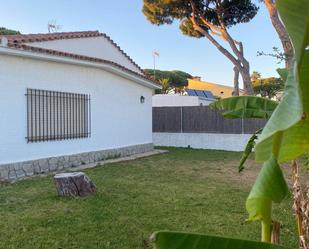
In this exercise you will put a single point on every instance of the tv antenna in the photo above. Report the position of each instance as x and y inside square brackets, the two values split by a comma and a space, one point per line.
[53, 27]
[155, 54]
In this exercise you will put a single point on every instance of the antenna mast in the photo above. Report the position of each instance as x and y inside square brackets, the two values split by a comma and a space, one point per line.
[53, 27]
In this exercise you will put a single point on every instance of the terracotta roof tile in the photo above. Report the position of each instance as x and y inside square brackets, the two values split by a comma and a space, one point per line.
[51, 36]
[76, 56]
[18, 41]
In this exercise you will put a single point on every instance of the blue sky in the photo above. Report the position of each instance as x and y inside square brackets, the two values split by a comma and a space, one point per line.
[125, 23]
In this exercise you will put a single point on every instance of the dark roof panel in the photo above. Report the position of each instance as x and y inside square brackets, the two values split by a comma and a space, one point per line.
[209, 95]
[200, 93]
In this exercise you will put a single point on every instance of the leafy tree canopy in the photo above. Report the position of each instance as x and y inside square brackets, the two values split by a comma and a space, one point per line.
[206, 12]
[266, 87]
[175, 78]
[269, 87]
[5, 31]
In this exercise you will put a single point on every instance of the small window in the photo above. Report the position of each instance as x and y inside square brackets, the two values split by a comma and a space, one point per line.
[57, 115]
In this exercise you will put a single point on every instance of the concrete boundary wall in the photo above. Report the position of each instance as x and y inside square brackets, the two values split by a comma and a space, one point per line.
[213, 141]
[15, 171]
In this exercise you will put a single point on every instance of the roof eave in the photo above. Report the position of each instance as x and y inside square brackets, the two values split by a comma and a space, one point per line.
[54, 58]
[30, 38]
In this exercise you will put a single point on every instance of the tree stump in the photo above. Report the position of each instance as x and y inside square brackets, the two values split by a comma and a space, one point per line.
[74, 184]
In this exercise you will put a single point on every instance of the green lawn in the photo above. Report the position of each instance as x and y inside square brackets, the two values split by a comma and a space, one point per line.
[185, 190]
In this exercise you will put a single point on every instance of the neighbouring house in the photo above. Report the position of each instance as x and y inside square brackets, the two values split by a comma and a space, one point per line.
[220, 91]
[69, 99]
[188, 98]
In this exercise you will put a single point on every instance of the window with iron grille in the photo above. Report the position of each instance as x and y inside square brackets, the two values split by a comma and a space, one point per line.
[57, 115]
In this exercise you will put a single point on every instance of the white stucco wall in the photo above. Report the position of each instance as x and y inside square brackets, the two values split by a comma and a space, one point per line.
[98, 47]
[228, 142]
[118, 117]
[161, 100]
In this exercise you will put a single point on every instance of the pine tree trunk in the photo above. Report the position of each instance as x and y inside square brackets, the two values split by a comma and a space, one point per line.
[244, 70]
[239, 61]
[281, 31]
[245, 74]
[236, 82]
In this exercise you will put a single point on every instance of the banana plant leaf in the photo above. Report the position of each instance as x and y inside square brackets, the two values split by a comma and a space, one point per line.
[248, 150]
[245, 107]
[270, 186]
[285, 136]
[291, 118]
[177, 240]
[283, 72]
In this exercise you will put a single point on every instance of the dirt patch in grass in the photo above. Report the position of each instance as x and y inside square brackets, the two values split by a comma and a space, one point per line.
[223, 166]
[223, 171]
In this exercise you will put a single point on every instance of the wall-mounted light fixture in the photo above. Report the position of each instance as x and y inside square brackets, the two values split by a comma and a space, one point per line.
[142, 99]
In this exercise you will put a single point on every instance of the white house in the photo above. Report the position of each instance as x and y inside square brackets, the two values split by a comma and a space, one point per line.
[68, 99]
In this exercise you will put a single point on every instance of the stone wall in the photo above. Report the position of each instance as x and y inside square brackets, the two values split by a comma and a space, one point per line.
[15, 171]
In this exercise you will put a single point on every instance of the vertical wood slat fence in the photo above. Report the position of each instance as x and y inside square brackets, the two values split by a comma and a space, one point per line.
[200, 119]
